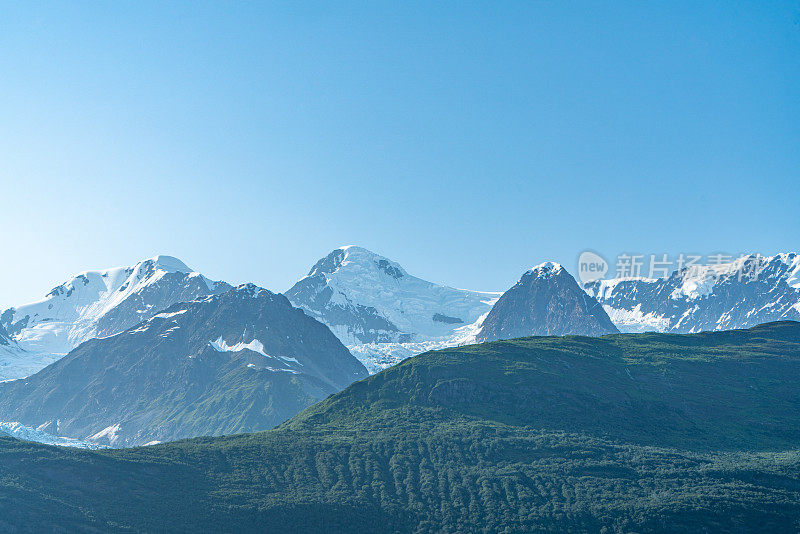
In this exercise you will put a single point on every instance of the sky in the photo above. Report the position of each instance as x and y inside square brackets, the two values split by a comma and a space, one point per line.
[467, 141]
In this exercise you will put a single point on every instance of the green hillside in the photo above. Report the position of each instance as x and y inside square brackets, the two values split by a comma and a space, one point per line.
[625, 433]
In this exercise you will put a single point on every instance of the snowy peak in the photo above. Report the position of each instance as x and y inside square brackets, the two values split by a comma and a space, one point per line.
[120, 278]
[352, 258]
[168, 263]
[101, 303]
[368, 299]
[250, 290]
[546, 270]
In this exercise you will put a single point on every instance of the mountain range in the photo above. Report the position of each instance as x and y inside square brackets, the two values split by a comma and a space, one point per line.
[239, 361]
[622, 433]
[384, 315]
[158, 352]
[96, 304]
[738, 294]
[148, 367]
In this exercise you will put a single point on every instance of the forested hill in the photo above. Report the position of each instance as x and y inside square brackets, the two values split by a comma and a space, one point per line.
[727, 390]
[625, 433]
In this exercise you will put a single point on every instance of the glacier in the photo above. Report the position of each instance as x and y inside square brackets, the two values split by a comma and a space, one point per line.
[381, 312]
[20, 431]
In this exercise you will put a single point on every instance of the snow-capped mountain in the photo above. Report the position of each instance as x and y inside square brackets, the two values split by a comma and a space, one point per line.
[382, 313]
[241, 361]
[20, 431]
[95, 304]
[547, 301]
[740, 294]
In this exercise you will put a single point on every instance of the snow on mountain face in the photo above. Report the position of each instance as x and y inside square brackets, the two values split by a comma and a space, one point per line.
[15, 362]
[241, 361]
[382, 313]
[96, 304]
[546, 270]
[739, 294]
[547, 301]
[5, 339]
[7, 345]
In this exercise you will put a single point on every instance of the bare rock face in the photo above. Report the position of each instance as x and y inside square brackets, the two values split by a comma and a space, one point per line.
[547, 301]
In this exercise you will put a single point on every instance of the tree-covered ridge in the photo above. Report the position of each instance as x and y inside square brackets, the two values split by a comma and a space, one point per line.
[727, 390]
[418, 448]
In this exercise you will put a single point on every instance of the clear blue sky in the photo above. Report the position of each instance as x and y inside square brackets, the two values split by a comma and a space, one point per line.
[467, 141]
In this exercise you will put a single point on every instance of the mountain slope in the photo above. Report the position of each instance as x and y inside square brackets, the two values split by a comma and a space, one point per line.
[240, 361]
[97, 304]
[740, 294]
[382, 313]
[5, 339]
[13, 360]
[624, 433]
[546, 301]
